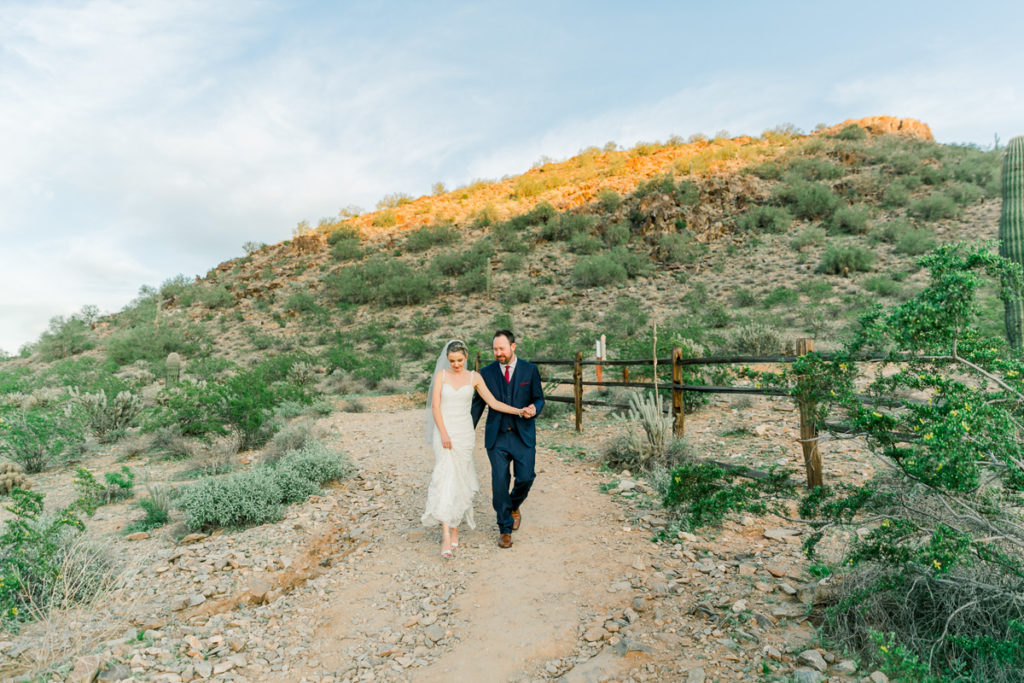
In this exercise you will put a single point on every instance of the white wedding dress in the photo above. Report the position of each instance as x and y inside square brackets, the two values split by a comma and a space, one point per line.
[453, 483]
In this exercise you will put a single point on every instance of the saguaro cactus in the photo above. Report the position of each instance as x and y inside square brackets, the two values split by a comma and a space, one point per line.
[173, 366]
[1011, 231]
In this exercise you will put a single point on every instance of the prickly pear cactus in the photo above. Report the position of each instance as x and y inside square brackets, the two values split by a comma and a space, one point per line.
[12, 477]
[1011, 231]
[173, 366]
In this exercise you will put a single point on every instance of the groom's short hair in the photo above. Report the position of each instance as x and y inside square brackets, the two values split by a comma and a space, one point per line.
[507, 334]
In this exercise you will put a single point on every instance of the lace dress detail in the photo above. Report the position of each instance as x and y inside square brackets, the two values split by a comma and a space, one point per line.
[453, 483]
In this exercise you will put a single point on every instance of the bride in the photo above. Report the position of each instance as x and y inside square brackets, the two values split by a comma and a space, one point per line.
[449, 429]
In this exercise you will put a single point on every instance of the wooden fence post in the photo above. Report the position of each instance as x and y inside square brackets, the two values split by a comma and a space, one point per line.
[577, 389]
[625, 374]
[678, 414]
[476, 366]
[808, 428]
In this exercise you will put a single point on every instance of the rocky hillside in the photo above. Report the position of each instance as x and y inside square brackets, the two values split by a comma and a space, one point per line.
[724, 243]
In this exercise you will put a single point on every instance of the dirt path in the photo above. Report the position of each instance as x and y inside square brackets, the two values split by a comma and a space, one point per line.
[350, 587]
[512, 610]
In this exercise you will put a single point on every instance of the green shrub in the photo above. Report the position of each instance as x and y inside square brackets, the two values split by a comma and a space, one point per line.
[808, 201]
[768, 170]
[429, 236]
[685, 192]
[743, 298]
[583, 243]
[907, 239]
[519, 293]
[377, 368]
[705, 492]
[384, 219]
[781, 296]
[625, 319]
[756, 339]
[382, 282]
[302, 302]
[455, 263]
[615, 234]
[599, 270]
[258, 495]
[216, 296]
[965, 193]
[394, 200]
[915, 241]
[44, 563]
[236, 500]
[609, 200]
[342, 232]
[807, 237]
[157, 510]
[36, 438]
[346, 249]
[850, 220]
[812, 168]
[152, 343]
[314, 462]
[678, 247]
[190, 408]
[896, 195]
[846, 258]
[567, 226]
[883, 285]
[935, 206]
[92, 494]
[512, 263]
[771, 219]
[472, 282]
[716, 316]
[851, 132]
[67, 336]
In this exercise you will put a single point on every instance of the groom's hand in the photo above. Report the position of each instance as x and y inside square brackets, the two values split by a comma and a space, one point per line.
[529, 411]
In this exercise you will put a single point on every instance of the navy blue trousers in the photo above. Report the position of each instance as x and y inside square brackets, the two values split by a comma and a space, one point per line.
[510, 453]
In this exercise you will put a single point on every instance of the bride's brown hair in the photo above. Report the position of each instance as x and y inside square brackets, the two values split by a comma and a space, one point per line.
[456, 347]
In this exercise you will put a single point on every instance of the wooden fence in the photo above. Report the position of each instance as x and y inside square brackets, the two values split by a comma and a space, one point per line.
[808, 429]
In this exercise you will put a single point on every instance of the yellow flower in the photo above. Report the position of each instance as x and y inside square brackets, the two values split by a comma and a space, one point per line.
[939, 467]
[929, 436]
[937, 564]
[967, 407]
[965, 426]
[885, 522]
[842, 366]
[1012, 373]
[954, 413]
[883, 648]
[876, 413]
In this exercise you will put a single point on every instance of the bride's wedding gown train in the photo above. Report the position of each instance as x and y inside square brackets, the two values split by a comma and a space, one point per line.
[453, 482]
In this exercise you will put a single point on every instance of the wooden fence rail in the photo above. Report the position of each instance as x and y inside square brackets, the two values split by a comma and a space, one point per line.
[808, 429]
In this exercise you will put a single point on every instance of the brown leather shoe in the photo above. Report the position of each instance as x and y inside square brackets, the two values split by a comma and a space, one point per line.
[517, 518]
[505, 541]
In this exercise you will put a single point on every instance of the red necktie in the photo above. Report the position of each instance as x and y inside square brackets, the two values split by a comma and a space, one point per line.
[506, 375]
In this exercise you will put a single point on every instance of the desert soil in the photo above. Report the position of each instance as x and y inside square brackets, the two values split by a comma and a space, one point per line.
[350, 587]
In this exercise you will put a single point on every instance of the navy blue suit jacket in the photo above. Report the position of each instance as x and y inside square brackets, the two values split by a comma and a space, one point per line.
[526, 389]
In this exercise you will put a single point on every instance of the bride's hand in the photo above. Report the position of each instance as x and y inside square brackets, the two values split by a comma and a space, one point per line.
[446, 441]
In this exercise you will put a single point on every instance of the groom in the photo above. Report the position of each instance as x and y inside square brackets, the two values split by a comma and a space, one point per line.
[510, 440]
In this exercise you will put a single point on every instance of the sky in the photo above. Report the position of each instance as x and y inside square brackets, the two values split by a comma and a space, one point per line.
[143, 140]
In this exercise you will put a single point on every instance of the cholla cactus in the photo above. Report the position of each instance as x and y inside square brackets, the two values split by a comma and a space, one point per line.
[302, 374]
[108, 419]
[12, 477]
[173, 368]
[645, 409]
[1011, 231]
